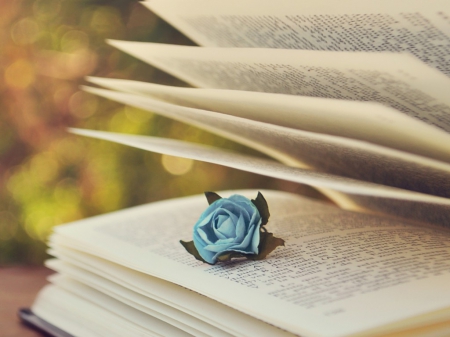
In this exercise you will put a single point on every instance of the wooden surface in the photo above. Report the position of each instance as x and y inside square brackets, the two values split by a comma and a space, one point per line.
[18, 288]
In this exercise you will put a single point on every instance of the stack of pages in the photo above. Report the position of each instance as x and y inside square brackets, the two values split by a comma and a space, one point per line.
[349, 97]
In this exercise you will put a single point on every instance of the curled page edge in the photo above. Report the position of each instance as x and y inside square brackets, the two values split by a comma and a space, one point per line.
[259, 166]
[300, 148]
[351, 119]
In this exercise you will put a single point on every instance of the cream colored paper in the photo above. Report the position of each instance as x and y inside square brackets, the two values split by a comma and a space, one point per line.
[325, 153]
[419, 27]
[195, 310]
[365, 121]
[65, 310]
[70, 272]
[397, 80]
[137, 314]
[369, 196]
[351, 301]
[104, 315]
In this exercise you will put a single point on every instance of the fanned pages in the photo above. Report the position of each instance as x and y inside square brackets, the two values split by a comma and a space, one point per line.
[397, 80]
[350, 119]
[325, 153]
[412, 205]
[419, 27]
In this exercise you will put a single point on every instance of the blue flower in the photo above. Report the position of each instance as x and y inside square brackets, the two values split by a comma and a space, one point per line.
[232, 228]
[228, 225]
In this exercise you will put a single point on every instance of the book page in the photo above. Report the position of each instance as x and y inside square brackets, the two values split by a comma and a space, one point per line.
[128, 281]
[419, 27]
[68, 272]
[397, 80]
[365, 121]
[325, 153]
[65, 311]
[422, 207]
[340, 273]
[47, 306]
[212, 317]
[100, 314]
[146, 323]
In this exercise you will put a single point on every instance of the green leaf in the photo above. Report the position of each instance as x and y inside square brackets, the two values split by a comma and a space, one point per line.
[190, 247]
[212, 196]
[267, 244]
[263, 209]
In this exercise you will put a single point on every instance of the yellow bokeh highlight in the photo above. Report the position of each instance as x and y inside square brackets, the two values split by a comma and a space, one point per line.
[23, 187]
[108, 196]
[44, 213]
[67, 192]
[69, 150]
[129, 120]
[39, 219]
[24, 32]
[83, 105]
[74, 40]
[43, 228]
[46, 9]
[44, 167]
[77, 63]
[51, 177]
[28, 182]
[19, 75]
[16, 183]
[106, 20]
[137, 115]
[63, 65]
[176, 165]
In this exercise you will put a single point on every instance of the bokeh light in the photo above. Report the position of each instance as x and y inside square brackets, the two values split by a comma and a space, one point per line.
[48, 176]
[176, 165]
[19, 75]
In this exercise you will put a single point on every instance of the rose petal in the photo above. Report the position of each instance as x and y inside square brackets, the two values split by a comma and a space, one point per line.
[208, 256]
[204, 236]
[224, 241]
[219, 219]
[231, 214]
[256, 219]
[218, 248]
[228, 228]
[200, 245]
[244, 203]
[223, 212]
[240, 229]
[198, 241]
[217, 233]
[256, 239]
[204, 220]
[244, 245]
[232, 207]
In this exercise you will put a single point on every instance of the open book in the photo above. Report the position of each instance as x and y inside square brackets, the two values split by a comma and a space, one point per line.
[350, 98]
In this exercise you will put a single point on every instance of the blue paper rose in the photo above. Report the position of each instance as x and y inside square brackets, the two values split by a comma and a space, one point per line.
[232, 228]
[227, 225]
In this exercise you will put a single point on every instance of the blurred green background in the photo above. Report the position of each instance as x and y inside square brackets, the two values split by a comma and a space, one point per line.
[48, 177]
